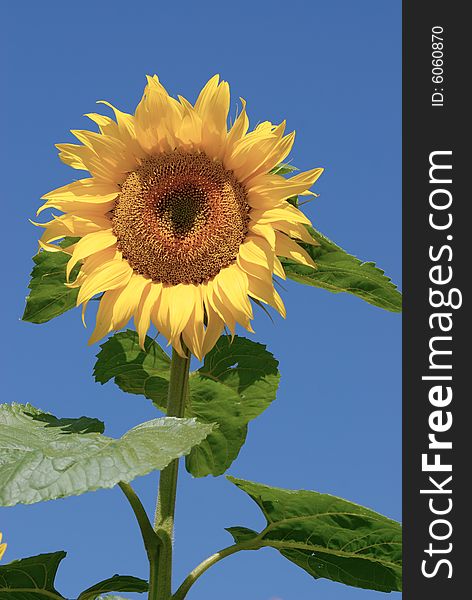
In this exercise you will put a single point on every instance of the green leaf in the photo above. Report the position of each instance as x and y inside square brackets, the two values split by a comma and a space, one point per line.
[123, 359]
[117, 583]
[326, 536]
[283, 169]
[30, 578]
[237, 382]
[49, 296]
[339, 271]
[80, 425]
[42, 462]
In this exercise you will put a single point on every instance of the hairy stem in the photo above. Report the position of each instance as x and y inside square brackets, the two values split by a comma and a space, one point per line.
[165, 509]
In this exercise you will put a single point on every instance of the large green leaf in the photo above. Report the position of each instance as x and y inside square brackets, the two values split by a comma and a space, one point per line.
[237, 382]
[40, 461]
[117, 583]
[30, 578]
[49, 296]
[327, 536]
[339, 271]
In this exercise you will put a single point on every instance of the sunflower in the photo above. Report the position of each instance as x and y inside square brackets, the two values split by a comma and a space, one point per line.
[182, 220]
[3, 547]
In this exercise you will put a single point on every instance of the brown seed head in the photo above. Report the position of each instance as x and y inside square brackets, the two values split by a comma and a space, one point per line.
[180, 218]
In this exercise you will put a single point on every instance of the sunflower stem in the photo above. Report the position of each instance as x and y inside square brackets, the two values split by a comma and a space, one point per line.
[160, 584]
[183, 590]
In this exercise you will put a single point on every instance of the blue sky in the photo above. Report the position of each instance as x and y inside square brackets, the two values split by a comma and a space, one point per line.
[332, 69]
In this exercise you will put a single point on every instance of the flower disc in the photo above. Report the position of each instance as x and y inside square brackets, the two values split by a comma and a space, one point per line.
[180, 218]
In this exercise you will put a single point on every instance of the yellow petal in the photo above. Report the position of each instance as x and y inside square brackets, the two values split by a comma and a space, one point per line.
[213, 106]
[219, 307]
[295, 230]
[83, 196]
[249, 151]
[89, 189]
[96, 260]
[128, 300]
[279, 153]
[71, 225]
[259, 151]
[104, 319]
[278, 268]
[266, 231]
[256, 250]
[264, 292]
[74, 155]
[214, 329]
[111, 151]
[89, 244]
[206, 95]
[142, 318]
[157, 118]
[109, 276]
[105, 124]
[287, 247]
[194, 332]
[274, 188]
[160, 314]
[182, 299]
[263, 201]
[189, 132]
[82, 157]
[237, 131]
[287, 213]
[231, 288]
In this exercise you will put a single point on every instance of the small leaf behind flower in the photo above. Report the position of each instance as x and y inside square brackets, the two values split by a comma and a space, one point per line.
[42, 462]
[337, 271]
[32, 575]
[49, 296]
[283, 169]
[326, 536]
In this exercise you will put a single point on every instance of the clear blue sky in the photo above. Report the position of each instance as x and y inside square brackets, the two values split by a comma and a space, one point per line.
[332, 69]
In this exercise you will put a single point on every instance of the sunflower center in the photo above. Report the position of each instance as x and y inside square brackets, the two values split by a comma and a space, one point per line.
[183, 209]
[180, 218]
